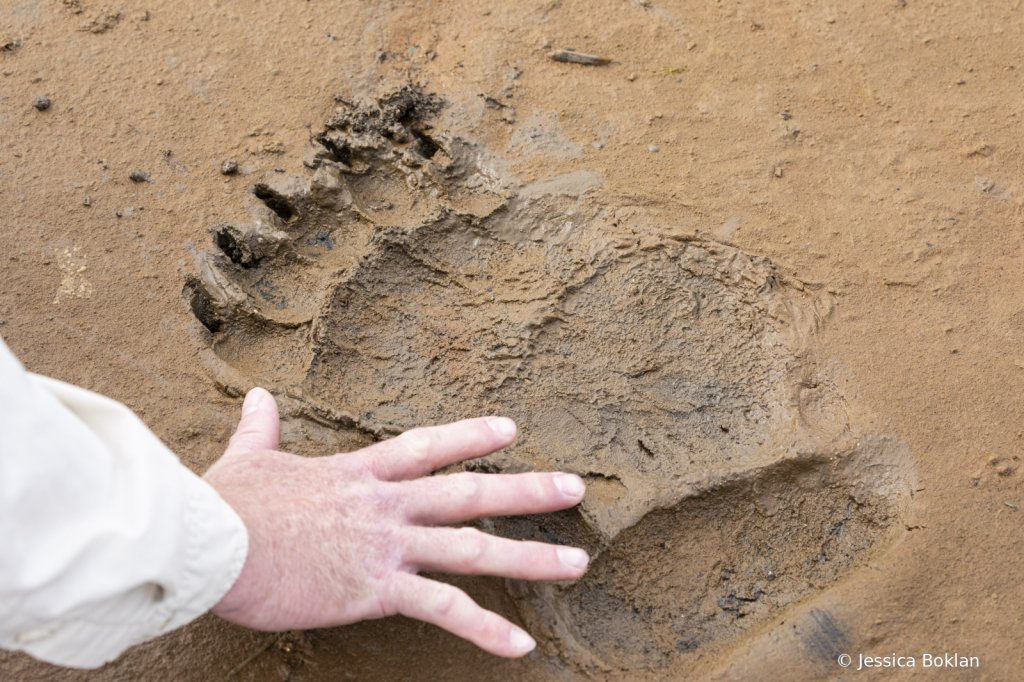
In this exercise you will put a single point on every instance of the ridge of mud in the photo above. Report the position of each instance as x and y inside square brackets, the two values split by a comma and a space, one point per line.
[411, 281]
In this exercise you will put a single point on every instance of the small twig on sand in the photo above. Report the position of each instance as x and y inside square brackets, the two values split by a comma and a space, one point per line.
[577, 58]
[252, 657]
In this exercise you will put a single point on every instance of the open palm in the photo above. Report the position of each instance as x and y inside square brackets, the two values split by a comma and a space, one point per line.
[335, 540]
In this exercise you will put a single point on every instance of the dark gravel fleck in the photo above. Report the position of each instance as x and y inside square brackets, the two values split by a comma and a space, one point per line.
[42, 103]
[139, 176]
[229, 166]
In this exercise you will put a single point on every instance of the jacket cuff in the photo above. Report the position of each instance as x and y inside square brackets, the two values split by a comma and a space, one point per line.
[160, 529]
[216, 546]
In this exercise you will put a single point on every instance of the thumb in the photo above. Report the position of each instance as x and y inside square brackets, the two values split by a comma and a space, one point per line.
[260, 426]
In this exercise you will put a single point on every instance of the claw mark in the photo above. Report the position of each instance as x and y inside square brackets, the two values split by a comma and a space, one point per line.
[275, 202]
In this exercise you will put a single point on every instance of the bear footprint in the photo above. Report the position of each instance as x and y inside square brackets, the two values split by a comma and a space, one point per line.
[410, 281]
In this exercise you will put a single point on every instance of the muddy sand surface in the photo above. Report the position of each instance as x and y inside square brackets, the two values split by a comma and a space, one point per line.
[756, 279]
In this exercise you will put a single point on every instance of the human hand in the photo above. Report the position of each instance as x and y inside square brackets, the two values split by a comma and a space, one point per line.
[339, 539]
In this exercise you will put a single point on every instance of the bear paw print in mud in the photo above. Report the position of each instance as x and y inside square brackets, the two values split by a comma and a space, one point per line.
[409, 279]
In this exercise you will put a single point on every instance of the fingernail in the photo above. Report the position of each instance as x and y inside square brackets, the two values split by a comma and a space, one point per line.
[252, 401]
[572, 557]
[503, 426]
[571, 485]
[521, 641]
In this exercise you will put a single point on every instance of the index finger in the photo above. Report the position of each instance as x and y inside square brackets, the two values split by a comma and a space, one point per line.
[420, 451]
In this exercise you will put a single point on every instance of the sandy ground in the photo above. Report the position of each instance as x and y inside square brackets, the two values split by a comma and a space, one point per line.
[871, 153]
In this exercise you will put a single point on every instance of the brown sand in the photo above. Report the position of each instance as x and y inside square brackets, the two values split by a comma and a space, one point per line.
[755, 279]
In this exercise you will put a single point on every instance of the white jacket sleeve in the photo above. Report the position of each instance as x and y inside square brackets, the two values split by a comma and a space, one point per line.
[106, 539]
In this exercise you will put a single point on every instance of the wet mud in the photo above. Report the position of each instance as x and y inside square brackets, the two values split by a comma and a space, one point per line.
[862, 162]
[410, 279]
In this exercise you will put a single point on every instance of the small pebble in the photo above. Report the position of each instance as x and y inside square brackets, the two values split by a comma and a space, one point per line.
[279, 170]
[117, 213]
[138, 176]
[87, 201]
[653, 148]
[228, 167]
[42, 103]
